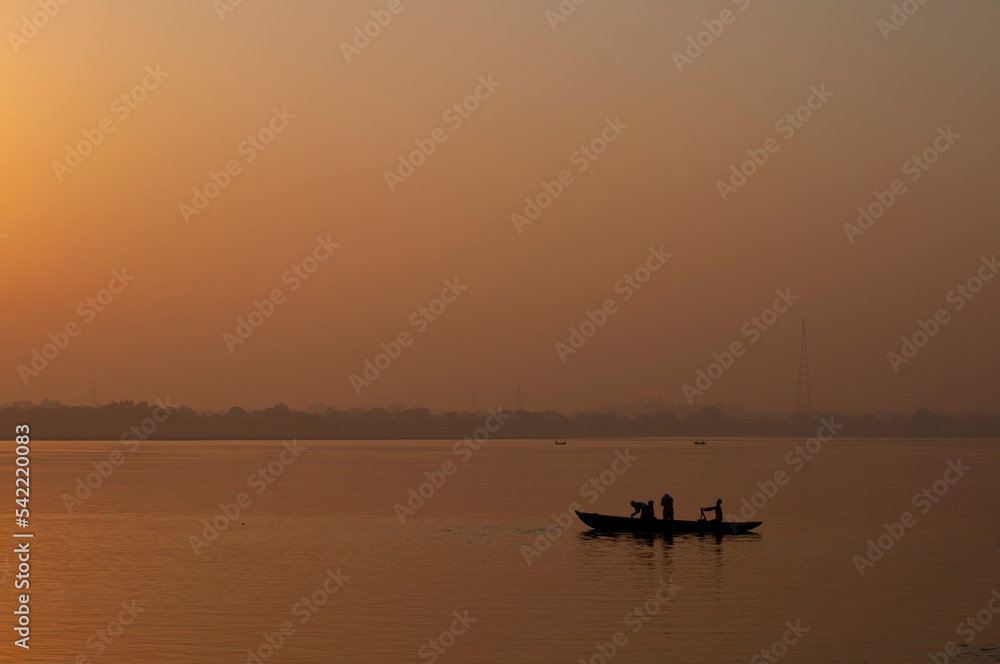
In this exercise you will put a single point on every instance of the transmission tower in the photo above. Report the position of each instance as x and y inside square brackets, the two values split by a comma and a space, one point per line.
[803, 396]
[518, 405]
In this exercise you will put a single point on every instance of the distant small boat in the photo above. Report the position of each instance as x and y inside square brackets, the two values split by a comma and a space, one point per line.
[699, 442]
[623, 524]
[562, 443]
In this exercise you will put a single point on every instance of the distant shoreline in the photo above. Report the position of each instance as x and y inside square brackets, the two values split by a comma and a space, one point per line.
[582, 439]
[168, 422]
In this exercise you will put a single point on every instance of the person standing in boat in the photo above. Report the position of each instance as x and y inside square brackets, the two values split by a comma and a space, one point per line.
[717, 509]
[648, 511]
[668, 507]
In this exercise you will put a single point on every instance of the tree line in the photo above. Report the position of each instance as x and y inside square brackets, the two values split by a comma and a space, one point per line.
[51, 421]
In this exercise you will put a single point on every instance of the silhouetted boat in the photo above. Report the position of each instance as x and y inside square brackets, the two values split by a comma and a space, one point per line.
[623, 524]
[562, 443]
[699, 442]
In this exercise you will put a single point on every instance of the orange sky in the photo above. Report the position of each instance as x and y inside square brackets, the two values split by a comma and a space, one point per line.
[544, 92]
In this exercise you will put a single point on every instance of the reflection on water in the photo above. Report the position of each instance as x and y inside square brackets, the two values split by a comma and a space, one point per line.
[462, 552]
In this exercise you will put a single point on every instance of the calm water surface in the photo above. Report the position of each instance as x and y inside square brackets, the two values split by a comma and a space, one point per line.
[463, 551]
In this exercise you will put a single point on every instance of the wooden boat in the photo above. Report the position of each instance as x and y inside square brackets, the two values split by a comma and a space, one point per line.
[699, 442]
[562, 443]
[623, 524]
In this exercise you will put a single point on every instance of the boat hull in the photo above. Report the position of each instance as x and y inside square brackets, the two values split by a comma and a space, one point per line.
[623, 524]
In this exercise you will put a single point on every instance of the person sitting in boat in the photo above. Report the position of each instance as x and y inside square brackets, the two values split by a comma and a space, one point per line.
[668, 507]
[637, 506]
[717, 509]
[648, 511]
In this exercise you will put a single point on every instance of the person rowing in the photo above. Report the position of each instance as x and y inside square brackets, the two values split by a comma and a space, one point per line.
[717, 508]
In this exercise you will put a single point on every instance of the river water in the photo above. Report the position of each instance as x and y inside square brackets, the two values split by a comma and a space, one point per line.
[453, 583]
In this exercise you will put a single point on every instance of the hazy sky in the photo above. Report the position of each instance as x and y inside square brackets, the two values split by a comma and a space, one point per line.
[544, 92]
